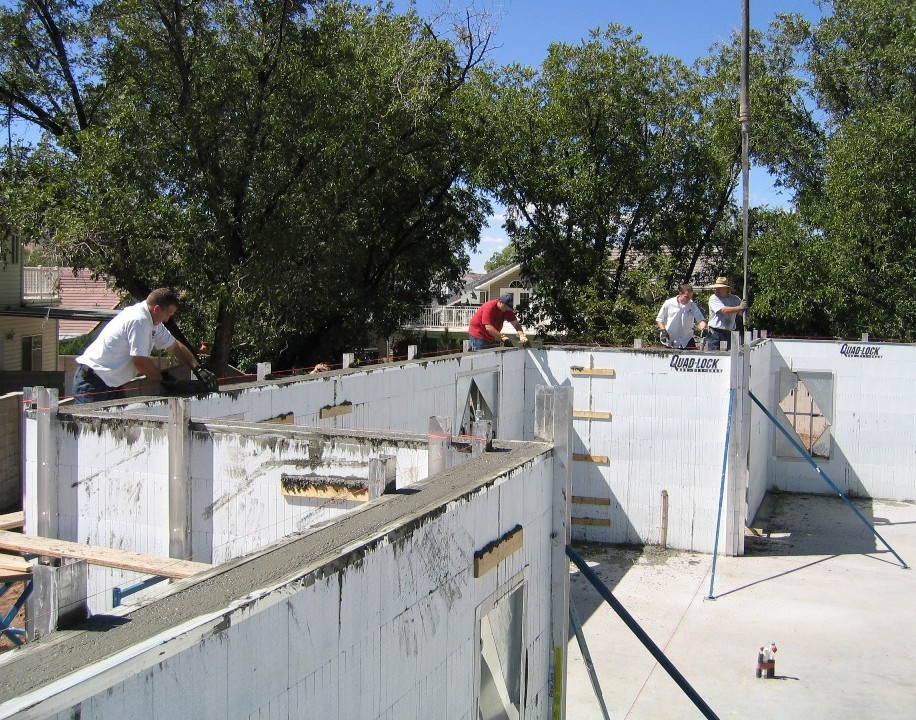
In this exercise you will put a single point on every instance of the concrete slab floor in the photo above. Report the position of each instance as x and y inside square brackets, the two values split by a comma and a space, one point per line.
[818, 583]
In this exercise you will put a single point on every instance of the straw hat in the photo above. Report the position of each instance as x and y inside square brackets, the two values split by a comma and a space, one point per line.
[721, 282]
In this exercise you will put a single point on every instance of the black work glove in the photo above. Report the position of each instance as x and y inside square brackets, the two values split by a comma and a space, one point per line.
[664, 337]
[169, 382]
[507, 342]
[703, 333]
[526, 343]
[207, 378]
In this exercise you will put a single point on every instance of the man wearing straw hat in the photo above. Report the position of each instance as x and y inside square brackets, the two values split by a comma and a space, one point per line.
[724, 309]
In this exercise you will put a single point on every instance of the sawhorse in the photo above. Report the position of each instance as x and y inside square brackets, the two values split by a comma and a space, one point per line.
[6, 582]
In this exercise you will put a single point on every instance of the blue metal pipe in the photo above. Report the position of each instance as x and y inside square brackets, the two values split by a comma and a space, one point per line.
[715, 545]
[642, 635]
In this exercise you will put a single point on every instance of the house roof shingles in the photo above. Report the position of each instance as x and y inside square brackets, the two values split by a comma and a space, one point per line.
[79, 290]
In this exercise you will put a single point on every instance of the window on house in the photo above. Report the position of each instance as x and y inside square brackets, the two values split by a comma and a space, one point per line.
[520, 292]
[31, 353]
[806, 404]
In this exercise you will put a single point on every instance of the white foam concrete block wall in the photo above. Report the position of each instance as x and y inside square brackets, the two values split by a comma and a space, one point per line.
[237, 502]
[113, 488]
[112, 492]
[874, 421]
[384, 398]
[402, 643]
[762, 383]
[667, 432]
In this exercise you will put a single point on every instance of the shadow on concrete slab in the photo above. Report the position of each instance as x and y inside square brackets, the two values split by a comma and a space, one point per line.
[791, 524]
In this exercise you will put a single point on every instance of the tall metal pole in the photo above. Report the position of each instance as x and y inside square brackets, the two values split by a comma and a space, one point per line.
[744, 116]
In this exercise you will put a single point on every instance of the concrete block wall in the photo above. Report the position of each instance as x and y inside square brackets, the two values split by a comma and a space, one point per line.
[113, 485]
[377, 616]
[762, 383]
[874, 421]
[10, 451]
[383, 398]
[666, 433]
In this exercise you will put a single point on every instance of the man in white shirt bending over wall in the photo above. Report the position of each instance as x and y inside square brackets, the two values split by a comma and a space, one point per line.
[677, 317]
[122, 351]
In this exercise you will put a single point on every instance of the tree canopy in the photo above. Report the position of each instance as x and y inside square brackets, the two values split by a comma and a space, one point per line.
[295, 168]
[850, 246]
[617, 169]
[310, 173]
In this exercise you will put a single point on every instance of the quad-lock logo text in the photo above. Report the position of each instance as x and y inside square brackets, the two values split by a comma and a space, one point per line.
[695, 364]
[860, 351]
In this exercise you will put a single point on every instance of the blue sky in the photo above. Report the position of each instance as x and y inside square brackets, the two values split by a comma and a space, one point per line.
[523, 29]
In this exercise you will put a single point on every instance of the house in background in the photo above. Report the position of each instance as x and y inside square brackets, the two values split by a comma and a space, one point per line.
[78, 289]
[28, 327]
[456, 313]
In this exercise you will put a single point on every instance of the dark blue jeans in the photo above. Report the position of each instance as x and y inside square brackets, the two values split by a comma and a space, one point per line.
[714, 336]
[88, 387]
[479, 344]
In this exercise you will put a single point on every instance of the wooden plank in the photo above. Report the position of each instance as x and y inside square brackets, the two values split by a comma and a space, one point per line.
[12, 520]
[325, 487]
[284, 419]
[582, 457]
[592, 414]
[579, 371]
[328, 492]
[599, 522]
[334, 410]
[14, 563]
[490, 556]
[107, 557]
[584, 500]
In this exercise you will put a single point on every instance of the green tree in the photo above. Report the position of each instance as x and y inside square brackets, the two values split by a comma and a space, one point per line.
[618, 169]
[500, 258]
[850, 249]
[293, 166]
[862, 62]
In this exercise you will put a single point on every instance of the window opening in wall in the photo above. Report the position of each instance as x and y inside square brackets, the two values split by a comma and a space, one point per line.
[31, 353]
[501, 658]
[477, 400]
[806, 404]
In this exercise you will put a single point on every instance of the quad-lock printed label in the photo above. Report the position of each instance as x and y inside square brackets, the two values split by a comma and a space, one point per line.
[860, 351]
[692, 363]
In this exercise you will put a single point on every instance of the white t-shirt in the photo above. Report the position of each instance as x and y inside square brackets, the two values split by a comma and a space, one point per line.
[679, 319]
[716, 318]
[129, 334]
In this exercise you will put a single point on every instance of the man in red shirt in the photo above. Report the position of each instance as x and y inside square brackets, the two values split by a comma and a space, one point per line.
[486, 326]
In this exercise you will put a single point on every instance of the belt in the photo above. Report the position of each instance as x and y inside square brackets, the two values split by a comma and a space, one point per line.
[88, 372]
[719, 330]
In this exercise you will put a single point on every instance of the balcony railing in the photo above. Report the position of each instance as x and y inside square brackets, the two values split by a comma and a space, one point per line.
[452, 317]
[40, 284]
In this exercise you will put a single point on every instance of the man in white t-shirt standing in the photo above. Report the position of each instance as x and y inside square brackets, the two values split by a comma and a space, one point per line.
[677, 317]
[122, 351]
[724, 309]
